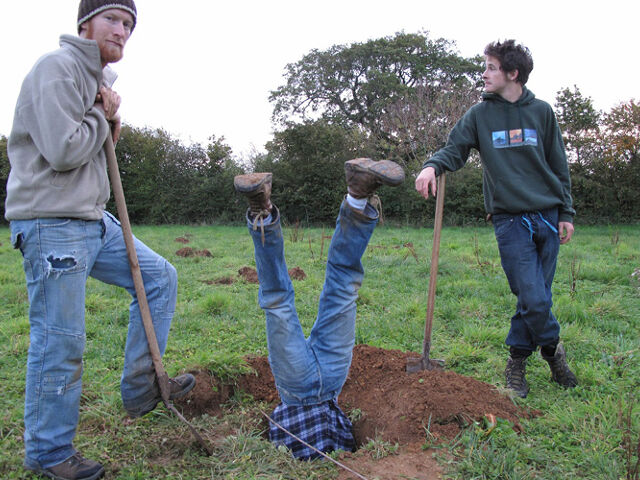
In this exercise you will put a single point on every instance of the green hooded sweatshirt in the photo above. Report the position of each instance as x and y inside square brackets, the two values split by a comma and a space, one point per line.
[524, 163]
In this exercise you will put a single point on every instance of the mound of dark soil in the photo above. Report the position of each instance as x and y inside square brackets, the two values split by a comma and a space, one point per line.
[394, 406]
[191, 252]
[296, 273]
[250, 275]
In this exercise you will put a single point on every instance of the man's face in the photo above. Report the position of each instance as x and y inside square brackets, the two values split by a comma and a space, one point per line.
[495, 79]
[111, 29]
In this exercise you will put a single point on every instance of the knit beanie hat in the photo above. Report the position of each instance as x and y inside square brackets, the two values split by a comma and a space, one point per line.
[89, 8]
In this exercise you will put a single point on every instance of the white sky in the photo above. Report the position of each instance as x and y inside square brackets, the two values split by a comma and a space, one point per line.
[203, 67]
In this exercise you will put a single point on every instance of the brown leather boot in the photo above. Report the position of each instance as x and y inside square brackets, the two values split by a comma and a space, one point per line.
[75, 467]
[257, 188]
[515, 376]
[560, 371]
[364, 176]
[179, 386]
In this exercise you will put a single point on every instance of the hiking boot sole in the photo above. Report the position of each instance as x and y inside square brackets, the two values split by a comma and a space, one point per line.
[385, 171]
[251, 181]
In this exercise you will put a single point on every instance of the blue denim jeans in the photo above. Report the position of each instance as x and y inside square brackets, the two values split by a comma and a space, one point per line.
[58, 256]
[312, 370]
[529, 246]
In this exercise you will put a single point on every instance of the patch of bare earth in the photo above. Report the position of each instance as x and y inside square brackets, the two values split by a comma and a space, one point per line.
[220, 281]
[296, 273]
[394, 406]
[192, 252]
[409, 462]
[250, 275]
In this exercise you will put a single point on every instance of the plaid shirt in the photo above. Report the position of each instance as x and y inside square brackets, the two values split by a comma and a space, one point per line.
[323, 426]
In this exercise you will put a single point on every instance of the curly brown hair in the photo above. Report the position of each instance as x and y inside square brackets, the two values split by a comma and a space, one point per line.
[512, 57]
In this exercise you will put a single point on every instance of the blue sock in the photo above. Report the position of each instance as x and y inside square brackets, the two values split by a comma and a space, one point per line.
[357, 203]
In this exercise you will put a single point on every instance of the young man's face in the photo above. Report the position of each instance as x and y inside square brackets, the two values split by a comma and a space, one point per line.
[111, 29]
[495, 79]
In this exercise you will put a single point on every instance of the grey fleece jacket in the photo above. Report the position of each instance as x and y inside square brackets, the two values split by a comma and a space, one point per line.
[58, 164]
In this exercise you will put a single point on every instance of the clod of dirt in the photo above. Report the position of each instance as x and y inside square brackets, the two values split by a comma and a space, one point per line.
[296, 273]
[220, 281]
[393, 405]
[207, 396]
[190, 252]
[248, 274]
[182, 240]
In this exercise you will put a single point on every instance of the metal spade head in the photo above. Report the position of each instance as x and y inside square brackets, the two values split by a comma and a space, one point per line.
[424, 363]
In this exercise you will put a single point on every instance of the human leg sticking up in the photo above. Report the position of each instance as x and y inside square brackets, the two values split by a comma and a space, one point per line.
[310, 372]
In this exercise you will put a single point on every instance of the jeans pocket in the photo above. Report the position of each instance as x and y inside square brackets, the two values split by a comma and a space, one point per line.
[502, 224]
[112, 218]
[54, 385]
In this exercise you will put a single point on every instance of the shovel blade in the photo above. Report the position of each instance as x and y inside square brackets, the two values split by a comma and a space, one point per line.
[424, 363]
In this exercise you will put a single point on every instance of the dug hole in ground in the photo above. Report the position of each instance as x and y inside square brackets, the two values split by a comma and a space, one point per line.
[393, 406]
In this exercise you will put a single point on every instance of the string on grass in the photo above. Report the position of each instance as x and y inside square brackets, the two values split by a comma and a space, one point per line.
[312, 447]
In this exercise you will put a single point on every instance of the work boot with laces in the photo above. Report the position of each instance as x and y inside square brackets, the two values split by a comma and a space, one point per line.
[178, 387]
[560, 371]
[515, 375]
[75, 467]
[257, 188]
[364, 176]
[181, 385]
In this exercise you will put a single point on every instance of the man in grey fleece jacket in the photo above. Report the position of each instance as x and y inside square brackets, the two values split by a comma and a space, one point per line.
[56, 195]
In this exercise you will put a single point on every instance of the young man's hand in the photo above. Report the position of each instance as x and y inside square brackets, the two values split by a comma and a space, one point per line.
[565, 230]
[426, 181]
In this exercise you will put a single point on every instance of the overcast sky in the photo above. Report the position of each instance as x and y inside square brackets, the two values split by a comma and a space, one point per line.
[203, 67]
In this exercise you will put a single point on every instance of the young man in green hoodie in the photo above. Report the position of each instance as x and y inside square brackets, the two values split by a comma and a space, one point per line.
[527, 193]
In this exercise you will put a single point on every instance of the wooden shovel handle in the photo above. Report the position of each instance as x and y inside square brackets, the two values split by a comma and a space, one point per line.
[435, 253]
[161, 374]
[121, 206]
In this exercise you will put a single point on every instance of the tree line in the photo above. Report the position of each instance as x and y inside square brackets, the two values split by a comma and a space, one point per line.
[395, 97]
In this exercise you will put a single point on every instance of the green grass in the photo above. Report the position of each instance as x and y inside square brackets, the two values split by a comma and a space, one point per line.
[581, 433]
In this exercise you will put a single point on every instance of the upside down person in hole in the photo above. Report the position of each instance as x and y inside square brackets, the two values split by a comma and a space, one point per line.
[310, 372]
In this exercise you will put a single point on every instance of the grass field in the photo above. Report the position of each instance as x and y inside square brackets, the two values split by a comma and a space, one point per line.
[591, 432]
